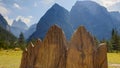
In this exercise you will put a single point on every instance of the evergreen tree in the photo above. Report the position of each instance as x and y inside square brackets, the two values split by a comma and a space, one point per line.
[115, 40]
[109, 47]
[21, 41]
[6, 39]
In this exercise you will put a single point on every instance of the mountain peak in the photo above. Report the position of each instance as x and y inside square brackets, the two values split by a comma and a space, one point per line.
[57, 7]
[3, 22]
[85, 2]
[0, 15]
[57, 16]
[89, 6]
[19, 24]
[92, 15]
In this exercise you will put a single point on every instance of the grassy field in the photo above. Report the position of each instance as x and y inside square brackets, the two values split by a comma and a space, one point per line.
[114, 58]
[11, 59]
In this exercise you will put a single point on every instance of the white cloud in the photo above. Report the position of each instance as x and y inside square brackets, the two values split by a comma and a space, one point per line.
[10, 21]
[27, 20]
[115, 7]
[47, 1]
[3, 10]
[17, 6]
[107, 3]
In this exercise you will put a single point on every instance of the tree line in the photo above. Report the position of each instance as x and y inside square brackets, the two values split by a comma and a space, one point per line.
[12, 44]
[113, 44]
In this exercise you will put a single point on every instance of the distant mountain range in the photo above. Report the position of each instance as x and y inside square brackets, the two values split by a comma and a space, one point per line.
[116, 20]
[5, 34]
[15, 29]
[18, 26]
[96, 18]
[93, 16]
[55, 15]
[29, 32]
[3, 23]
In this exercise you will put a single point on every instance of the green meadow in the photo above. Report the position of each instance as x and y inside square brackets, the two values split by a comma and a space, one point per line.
[11, 59]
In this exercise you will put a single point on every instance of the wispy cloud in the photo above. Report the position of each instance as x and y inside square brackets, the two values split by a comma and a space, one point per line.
[27, 19]
[3, 9]
[47, 1]
[111, 5]
[115, 7]
[10, 21]
[17, 6]
[108, 3]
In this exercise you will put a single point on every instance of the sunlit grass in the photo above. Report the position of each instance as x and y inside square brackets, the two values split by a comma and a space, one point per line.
[114, 58]
[10, 58]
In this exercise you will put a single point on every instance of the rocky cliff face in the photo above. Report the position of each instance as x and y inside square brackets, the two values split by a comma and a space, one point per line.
[17, 27]
[55, 52]
[94, 17]
[3, 23]
[116, 20]
[31, 30]
[55, 15]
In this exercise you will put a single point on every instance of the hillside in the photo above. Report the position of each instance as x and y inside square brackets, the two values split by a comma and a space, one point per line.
[3, 23]
[6, 38]
[55, 15]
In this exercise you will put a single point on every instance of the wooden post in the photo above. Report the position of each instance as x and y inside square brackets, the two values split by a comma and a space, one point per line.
[29, 55]
[52, 53]
[80, 52]
[101, 56]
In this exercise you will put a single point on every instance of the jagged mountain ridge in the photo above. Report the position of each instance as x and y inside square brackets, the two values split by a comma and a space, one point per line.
[94, 17]
[116, 19]
[17, 27]
[19, 24]
[3, 23]
[29, 32]
[6, 35]
[55, 15]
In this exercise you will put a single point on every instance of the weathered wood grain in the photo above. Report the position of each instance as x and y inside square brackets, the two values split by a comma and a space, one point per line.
[80, 52]
[101, 56]
[52, 53]
[29, 55]
[55, 52]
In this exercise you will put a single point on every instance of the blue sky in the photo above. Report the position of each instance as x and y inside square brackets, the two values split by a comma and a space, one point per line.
[30, 11]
